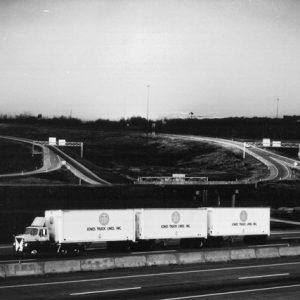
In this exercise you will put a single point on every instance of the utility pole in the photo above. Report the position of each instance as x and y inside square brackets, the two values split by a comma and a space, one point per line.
[244, 150]
[277, 104]
[148, 98]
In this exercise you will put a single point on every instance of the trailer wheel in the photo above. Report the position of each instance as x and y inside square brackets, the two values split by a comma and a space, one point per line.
[200, 243]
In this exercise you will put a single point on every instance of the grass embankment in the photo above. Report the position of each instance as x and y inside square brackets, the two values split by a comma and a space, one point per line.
[119, 156]
[16, 157]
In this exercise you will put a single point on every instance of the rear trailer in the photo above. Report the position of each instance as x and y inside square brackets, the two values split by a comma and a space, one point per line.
[251, 223]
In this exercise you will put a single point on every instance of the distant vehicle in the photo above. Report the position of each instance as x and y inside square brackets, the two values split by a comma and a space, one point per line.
[71, 231]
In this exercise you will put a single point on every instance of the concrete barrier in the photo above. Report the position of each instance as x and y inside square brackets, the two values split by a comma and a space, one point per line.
[61, 266]
[24, 269]
[289, 251]
[96, 264]
[241, 254]
[268, 252]
[217, 255]
[130, 261]
[190, 258]
[2, 271]
[160, 259]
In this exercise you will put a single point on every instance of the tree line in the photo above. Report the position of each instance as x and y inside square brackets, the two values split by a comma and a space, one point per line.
[287, 128]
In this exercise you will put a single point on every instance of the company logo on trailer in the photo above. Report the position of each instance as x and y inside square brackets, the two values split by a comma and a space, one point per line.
[175, 217]
[243, 216]
[104, 219]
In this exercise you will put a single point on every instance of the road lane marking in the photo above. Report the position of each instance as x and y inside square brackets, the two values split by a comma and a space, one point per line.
[283, 164]
[17, 261]
[150, 252]
[150, 275]
[6, 247]
[235, 292]
[284, 232]
[106, 291]
[284, 221]
[263, 276]
[268, 245]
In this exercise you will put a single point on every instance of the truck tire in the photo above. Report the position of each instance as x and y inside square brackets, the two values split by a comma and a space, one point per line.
[34, 252]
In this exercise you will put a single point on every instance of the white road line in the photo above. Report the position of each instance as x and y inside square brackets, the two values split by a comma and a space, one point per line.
[235, 292]
[268, 245]
[263, 276]
[6, 247]
[17, 261]
[284, 232]
[283, 165]
[106, 291]
[150, 252]
[149, 275]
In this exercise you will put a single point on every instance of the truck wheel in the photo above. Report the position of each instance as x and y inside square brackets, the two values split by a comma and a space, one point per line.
[64, 252]
[77, 250]
[34, 252]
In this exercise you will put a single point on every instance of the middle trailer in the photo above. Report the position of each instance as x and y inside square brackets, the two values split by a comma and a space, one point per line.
[163, 226]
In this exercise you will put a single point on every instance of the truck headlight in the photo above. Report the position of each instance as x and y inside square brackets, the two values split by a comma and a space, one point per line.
[25, 244]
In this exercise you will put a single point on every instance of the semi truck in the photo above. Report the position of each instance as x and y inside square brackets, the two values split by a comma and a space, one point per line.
[72, 231]
[65, 231]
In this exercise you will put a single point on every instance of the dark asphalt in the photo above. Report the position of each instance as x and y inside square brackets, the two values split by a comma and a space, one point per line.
[275, 278]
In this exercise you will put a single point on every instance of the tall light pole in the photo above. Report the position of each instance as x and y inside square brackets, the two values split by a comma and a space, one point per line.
[277, 103]
[148, 98]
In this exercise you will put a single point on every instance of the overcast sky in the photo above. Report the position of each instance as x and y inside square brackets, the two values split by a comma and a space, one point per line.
[96, 58]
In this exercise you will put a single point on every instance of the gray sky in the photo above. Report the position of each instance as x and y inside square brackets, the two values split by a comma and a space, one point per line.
[214, 58]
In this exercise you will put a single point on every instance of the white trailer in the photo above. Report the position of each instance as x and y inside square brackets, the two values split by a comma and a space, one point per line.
[225, 222]
[72, 230]
[188, 225]
[82, 226]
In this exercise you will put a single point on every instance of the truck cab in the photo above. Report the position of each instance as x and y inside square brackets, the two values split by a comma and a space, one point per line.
[34, 239]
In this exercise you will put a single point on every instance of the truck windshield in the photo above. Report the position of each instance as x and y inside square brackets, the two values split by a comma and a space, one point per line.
[31, 231]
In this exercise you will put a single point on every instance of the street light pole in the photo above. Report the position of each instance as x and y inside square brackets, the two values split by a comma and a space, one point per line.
[148, 98]
[277, 103]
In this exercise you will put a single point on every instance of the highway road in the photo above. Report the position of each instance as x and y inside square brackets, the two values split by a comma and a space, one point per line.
[280, 167]
[78, 169]
[52, 161]
[254, 279]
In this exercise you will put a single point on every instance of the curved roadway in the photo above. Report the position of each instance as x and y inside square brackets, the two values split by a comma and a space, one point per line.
[51, 162]
[280, 167]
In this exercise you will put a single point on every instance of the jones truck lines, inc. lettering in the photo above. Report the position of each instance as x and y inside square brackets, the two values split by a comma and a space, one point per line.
[175, 218]
[244, 224]
[104, 228]
[176, 226]
[243, 218]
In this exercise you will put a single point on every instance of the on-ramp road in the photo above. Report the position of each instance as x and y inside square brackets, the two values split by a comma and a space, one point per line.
[280, 167]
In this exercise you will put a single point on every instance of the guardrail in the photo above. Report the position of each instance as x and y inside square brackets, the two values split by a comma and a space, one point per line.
[164, 180]
[145, 260]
